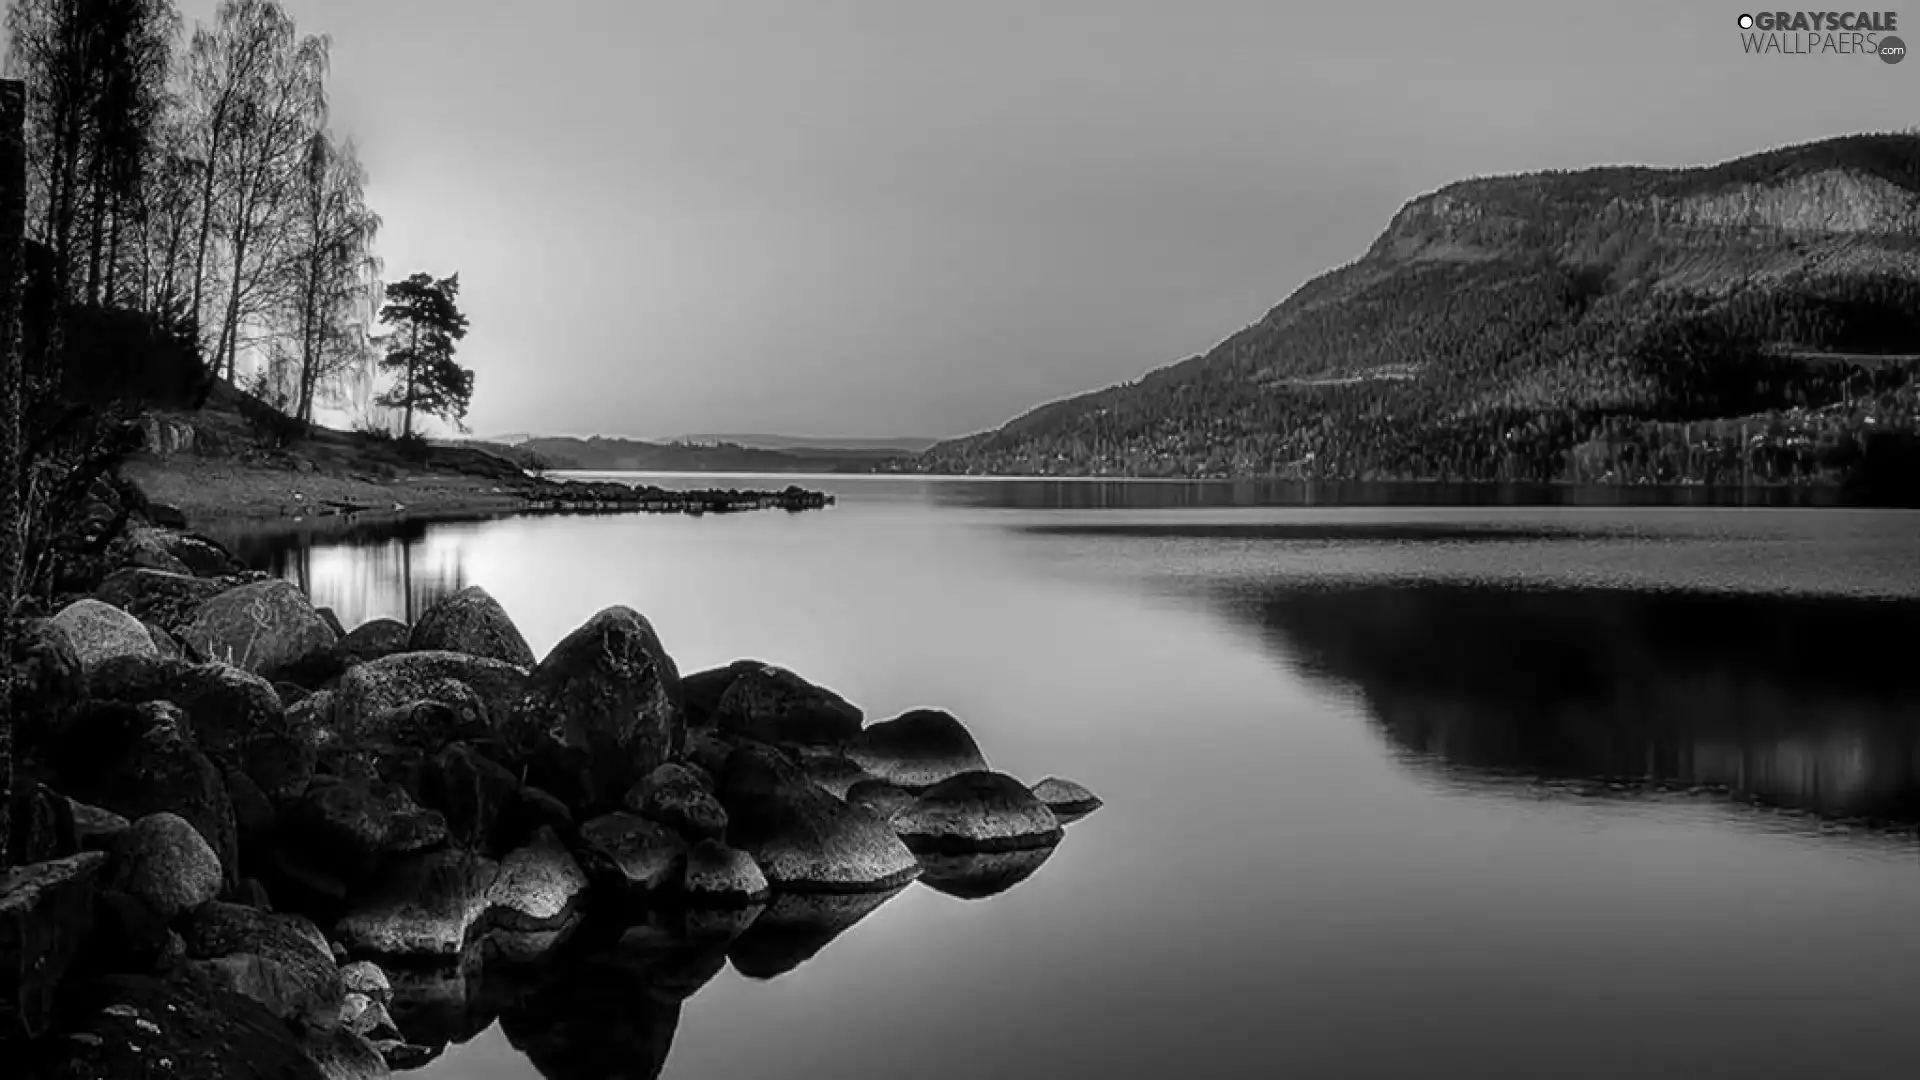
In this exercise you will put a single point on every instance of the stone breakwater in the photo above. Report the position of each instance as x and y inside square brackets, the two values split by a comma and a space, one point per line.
[580, 495]
[257, 843]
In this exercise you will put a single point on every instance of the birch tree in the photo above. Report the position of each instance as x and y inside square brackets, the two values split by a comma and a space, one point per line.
[333, 270]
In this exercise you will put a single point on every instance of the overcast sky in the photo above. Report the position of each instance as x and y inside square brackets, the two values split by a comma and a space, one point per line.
[829, 217]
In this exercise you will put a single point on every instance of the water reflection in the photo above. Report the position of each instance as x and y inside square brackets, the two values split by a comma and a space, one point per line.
[391, 568]
[1804, 703]
[1082, 494]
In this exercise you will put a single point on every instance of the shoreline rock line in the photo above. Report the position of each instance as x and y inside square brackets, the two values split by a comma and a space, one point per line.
[250, 835]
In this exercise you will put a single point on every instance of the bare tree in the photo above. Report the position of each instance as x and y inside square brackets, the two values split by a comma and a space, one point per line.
[333, 272]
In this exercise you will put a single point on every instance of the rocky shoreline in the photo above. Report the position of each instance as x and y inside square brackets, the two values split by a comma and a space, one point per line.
[254, 842]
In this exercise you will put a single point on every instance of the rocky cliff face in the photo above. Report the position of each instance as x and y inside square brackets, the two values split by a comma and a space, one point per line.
[1828, 201]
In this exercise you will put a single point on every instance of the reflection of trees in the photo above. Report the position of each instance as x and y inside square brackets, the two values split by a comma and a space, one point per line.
[391, 568]
[1807, 703]
[1044, 494]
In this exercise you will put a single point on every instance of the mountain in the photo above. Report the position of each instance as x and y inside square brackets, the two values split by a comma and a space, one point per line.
[1757, 319]
[804, 444]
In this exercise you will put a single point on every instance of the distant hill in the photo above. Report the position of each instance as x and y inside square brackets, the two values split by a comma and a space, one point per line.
[891, 445]
[1756, 319]
[619, 455]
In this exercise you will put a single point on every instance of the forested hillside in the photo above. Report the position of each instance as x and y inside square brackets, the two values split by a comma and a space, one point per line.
[1753, 321]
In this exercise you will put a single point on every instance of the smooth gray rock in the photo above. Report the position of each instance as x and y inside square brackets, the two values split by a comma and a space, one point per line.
[803, 838]
[268, 627]
[717, 874]
[99, 632]
[637, 854]
[376, 640]
[977, 811]
[674, 797]
[917, 749]
[471, 621]
[165, 863]
[272, 959]
[772, 704]
[1065, 798]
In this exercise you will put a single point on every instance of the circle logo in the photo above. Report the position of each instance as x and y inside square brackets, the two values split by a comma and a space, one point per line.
[1746, 22]
[1892, 50]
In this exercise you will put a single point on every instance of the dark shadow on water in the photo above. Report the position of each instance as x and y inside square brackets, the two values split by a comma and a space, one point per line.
[1045, 494]
[795, 927]
[978, 876]
[1802, 703]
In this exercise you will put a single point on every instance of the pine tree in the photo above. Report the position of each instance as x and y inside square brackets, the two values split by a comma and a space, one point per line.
[426, 321]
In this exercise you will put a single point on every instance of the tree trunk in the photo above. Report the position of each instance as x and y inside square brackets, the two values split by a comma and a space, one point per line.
[13, 220]
[230, 325]
[109, 286]
[96, 239]
[413, 361]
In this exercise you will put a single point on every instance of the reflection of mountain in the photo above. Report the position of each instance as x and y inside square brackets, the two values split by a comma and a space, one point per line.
[1807, 703]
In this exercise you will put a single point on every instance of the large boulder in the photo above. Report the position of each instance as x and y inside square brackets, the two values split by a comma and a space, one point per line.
[165, 863]
[46, 911]
[879, 798]
[99, 631]
[174, 552]
[631, 853]
[185, 1026]
[917, 749]
[674, 797]
[269, 958]
[167, 600]
[477, 796]
[378, 699]
[377, 639]
[135, 679]
[144, 547]
[269, 628]
[802, 837]
[237, 718]
[137, 760]
[772, 704]
[471, 621]
[720, 875]
[46, 682]
[601, 711]
[977, 811]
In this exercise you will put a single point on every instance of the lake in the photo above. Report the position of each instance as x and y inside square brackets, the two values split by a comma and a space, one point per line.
[1573, 791]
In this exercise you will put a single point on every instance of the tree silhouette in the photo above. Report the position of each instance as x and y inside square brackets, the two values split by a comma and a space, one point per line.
[427, 321]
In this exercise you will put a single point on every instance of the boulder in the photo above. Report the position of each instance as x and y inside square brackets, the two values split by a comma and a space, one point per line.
[977, 811]
[349, 825]
[269, 628]
[473, 793]
[701, 691]
[136, 760]
[538, 888]
[377, 640]
[772, 704]
[144, 547]
[833, 771]
[185, 1026]
[672, 796]
[720, 875]
[167, 600]
[40, 824]
[269, 958]
[165, 863]
[365, 977]
[377, 699]
[202, 556]
[426, 907]
[601, 711]
[238, 720]
[707, 752]
[1065, 798]
[917, 749]
[135, 679]
[332, 619]
[46, 682]
[100, 631]
[802, 837]
[471, 621]
[880, 798]
[368, 1018]
[632, 853]
[46, 917]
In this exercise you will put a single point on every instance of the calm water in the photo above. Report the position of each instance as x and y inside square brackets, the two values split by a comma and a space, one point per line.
[1568, 792]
